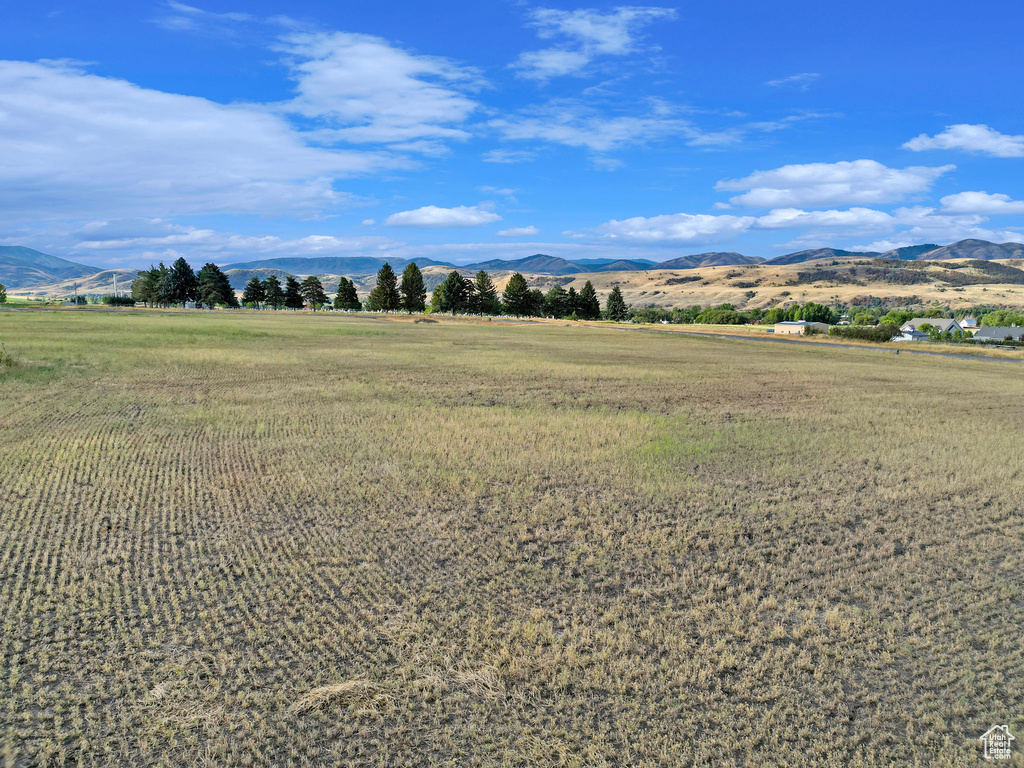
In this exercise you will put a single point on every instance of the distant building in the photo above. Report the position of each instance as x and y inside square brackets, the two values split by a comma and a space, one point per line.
[799, 328]
[942, 323]
[968, 322]
[911, 335]
[1000, 333]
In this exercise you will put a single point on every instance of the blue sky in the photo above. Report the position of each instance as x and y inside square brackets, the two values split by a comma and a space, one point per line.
[465, 131]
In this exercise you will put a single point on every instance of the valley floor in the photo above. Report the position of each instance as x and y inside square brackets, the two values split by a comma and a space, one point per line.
[268, 539]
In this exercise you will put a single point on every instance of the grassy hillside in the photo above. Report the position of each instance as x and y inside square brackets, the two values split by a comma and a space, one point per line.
[20, 267]
[953, 283]
[283, 539]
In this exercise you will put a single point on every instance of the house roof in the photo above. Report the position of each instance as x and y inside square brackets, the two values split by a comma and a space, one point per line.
[942, 323]
[1000, 332]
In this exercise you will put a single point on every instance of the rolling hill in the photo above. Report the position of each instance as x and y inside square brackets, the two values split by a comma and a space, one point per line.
[21, 267]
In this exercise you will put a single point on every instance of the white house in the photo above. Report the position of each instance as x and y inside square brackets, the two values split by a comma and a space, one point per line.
[942, 323]
[911, 335]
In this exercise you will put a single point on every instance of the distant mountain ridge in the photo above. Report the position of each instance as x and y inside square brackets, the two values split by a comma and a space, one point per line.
[20, 267]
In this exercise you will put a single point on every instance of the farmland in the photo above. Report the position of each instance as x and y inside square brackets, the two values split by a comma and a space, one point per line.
[284, 538]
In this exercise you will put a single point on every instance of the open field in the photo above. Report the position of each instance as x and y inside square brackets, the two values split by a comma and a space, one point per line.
[234, 539]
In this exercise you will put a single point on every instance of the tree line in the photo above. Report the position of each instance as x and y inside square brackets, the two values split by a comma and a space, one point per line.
[459, 295]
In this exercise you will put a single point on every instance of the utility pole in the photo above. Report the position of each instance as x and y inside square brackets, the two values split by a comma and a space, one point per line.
[115, 285]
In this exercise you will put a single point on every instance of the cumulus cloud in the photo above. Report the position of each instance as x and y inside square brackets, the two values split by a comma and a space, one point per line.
[802, 81]
[822, 226]
[585, 34]
[155, 238]
[856, 182]
[678, 228]
[76, 144]
[519, 231]
[854, 218]
[432, 217]
[981, 202]
[372, 91]
[970, 138]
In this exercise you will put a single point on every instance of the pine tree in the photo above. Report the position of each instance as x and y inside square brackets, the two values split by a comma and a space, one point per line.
[146, 287]
[179, 284]
[312, 290]
[384, 297]
[589, 304]
[536, 303]
[453, 294]
[3, 294]
[616, 308]
[255, 292]
[292, 294]
[347, 297]
[515, 299]
[572, 302]
[273, 294]
[485, 300]
[215, 287]
[412, 290]
[556, 302]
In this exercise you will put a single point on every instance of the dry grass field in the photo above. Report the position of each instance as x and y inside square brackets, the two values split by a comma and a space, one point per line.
[243, 539]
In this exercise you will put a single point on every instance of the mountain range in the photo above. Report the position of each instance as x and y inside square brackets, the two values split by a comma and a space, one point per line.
[22, 267]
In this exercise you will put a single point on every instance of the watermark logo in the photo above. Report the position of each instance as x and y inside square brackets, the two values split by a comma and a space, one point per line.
[996, 742]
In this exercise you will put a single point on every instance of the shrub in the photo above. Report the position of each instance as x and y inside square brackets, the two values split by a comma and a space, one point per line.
[877, 333]
[119, 301]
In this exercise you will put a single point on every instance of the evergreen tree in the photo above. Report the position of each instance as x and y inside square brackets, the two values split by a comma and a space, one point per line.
[347, 297]
[273, 294]
[573, 303]
[589, 304]
[453, 294]
[556, 302]
[536, 303]
[255, 292]
[180, 283]
[3, 294]
[413, 291]
[616, 308]
[384, 297]
[515, 299]
[146, 287]
[312, 290]
[292, 293]
[215, 287]
[485, 299]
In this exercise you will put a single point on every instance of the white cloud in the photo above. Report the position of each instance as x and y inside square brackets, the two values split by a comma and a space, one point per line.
[432, 217]
[854, 218]
[919, 224]
[802, 81]
[508, 156]
[504, 192]
[374, 92]
[519, 231]
[585, 33]
[679, 228]
[856, 182]
[159, 238]
[76, 145]
[577, 125]
[970, 138]
[981, 202]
